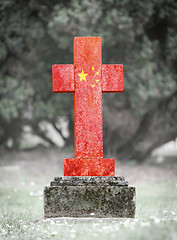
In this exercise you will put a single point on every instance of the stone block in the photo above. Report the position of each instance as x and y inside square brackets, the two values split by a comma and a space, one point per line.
[89, 197]
[89, 167]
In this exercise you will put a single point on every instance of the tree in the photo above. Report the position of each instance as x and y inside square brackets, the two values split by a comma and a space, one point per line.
[141, 35]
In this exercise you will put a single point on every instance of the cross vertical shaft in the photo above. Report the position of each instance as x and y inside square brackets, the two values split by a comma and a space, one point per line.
[88, 98]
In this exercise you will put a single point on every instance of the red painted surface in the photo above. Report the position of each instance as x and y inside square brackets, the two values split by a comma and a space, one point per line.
[89, 167]
[88, 98]
[112, 78]
[63, 78]
[88, 78]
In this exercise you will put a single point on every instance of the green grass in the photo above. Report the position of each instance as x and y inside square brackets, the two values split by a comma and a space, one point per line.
[21, 216]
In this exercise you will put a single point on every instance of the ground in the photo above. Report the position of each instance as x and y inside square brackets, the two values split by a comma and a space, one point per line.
[23, 176]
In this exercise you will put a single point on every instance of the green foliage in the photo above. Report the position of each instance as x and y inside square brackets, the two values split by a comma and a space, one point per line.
[21, 216]
[124, 27]
[15, 96]
[36, 34]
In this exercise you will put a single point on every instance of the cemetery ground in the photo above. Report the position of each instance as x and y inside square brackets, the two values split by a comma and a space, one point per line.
[24, 174]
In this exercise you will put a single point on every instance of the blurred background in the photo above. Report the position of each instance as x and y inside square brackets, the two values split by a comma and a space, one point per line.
[37, 126]
[141, 35]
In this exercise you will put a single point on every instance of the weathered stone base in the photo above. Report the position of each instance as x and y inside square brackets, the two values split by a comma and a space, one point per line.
[89, 197]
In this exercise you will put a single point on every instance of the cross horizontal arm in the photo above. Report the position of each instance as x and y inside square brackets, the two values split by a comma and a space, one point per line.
[63, 78]
[112, 78]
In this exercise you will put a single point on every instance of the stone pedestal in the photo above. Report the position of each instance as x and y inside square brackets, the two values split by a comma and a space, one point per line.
[89, 197]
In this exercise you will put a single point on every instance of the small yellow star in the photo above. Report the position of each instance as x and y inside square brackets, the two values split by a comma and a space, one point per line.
[82, 75]
[93, 85]
[96, 73]
[93, 68]
[97, 80]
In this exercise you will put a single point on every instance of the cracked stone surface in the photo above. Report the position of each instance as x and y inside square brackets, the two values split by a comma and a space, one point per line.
[89, 197]
[85, 181]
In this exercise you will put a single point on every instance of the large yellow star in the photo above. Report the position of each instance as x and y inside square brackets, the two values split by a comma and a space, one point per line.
[82, 75]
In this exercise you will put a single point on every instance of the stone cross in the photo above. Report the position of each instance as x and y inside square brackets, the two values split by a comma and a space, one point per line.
[87, 78]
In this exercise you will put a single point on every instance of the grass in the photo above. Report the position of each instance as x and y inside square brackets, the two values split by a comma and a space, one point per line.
[21, 216]
[21, 206]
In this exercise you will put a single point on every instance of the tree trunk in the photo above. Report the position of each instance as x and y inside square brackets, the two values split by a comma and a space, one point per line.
[142, 135]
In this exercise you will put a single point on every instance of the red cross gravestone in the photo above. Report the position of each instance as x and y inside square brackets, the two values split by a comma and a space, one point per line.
[88, 187]
[87, 78]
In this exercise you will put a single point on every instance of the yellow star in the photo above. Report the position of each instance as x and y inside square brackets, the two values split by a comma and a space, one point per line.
[96, 73]
[93, 68]
[82, 75]
[93, 85]
[97, 80]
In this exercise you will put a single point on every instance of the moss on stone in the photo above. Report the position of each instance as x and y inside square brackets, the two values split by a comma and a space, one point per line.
[82, 200]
